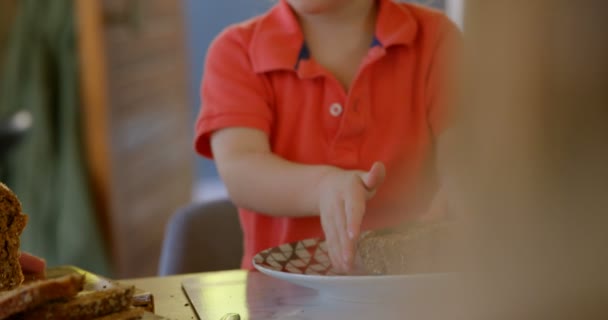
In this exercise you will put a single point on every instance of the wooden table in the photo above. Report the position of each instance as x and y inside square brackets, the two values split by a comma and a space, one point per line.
[170, 301]
[255, 296]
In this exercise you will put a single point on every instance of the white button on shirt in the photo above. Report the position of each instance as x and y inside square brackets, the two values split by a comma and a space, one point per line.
[335, 109]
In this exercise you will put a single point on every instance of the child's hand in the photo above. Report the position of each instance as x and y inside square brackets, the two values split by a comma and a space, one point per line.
[31, 264]
[342, 199]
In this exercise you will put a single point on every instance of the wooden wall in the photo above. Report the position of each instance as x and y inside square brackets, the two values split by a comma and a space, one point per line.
[8, 10]
[134, 75]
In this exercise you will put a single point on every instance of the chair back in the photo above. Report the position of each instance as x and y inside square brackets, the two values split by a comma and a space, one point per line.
[202, 237]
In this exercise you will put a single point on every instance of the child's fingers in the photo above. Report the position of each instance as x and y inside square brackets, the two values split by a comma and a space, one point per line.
[31, 264]
[355, 210]
[333, 248]
[375, 176]
[344, 249]
[331, 240]
[354, 205]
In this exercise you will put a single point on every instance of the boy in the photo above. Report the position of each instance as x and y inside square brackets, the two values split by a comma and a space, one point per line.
[308, 106]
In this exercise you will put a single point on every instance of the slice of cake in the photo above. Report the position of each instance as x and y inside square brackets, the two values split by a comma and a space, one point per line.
[12, 223]
[414, 248]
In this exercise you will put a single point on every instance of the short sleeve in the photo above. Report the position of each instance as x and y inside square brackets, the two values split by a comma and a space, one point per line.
[443, 77]
[232, 94]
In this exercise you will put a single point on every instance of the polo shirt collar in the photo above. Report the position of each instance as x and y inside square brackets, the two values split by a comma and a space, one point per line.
[395, 25]
[278, 42]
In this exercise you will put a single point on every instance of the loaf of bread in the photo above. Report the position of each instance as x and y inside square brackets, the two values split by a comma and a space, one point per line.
[414, 248]
[37, 293]
[61, 297]
[12, 223]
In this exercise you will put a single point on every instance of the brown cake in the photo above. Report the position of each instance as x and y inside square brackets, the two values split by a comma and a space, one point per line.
[12, 223]
[415, 248]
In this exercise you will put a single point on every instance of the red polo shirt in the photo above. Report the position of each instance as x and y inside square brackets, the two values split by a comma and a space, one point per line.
[260, 75]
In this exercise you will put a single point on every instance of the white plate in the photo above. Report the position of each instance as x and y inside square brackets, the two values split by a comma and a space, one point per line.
[306, 263]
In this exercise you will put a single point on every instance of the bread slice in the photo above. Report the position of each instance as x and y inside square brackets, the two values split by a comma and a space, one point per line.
[87, 305]
[12, 223]
[129, 314]
[414, 248]
[36, 293]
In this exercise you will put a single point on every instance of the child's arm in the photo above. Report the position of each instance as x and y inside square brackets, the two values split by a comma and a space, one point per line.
[261, 181]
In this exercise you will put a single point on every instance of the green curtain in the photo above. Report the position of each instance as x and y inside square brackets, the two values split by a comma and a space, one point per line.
[47, 170]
